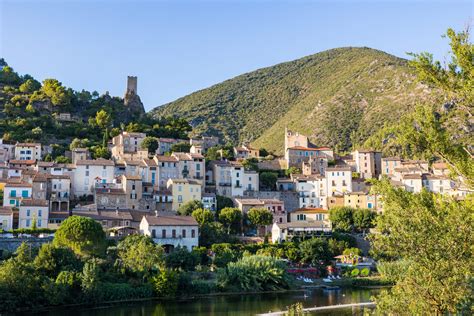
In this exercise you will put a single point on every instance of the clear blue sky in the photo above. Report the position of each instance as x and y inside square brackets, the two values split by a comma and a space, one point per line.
[177, 47]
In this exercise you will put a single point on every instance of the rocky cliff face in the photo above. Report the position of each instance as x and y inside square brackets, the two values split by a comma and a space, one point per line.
[133, 103]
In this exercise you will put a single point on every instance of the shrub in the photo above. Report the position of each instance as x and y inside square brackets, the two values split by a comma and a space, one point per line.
[365, 272]
[255, 273]
[166, 283]
[181, 258]
[203, 287]
[355, 272]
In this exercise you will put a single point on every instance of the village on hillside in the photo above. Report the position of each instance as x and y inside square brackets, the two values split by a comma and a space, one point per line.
[137, 192]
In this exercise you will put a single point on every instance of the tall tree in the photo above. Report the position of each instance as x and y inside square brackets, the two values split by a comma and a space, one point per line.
[433, 233]
[230, 217]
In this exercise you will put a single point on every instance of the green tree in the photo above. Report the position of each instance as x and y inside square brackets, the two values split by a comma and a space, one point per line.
[102, 119]
[188, 208]
[212, 233]
[78, 143]
[223, 201]
[139, 254]
[58, 95]
[8, 76]
[150, 143]
[268, 180]
[51, 260]
[363, 219]
[29, 86]
[203, 216]
[181, 147]
[314, 250]
[292, 170]
[341, 218]
[260, 216]
[433, 234]
[166, 283]
[436, 133]
[82, 234]
[230, 217]
[181, 258]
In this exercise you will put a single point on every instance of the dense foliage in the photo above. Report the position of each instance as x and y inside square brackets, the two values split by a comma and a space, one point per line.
[432, 234]
[30, 111]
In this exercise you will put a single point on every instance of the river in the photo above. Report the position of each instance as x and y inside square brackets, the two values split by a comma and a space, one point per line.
[232, 305]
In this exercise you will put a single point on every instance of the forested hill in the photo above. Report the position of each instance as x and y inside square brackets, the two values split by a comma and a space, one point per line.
[337, 97]
[50, 113]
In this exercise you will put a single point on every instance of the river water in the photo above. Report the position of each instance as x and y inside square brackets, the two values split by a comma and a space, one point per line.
[232, 305]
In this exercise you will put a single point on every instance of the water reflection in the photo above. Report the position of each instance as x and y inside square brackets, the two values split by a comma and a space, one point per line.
[235, 305]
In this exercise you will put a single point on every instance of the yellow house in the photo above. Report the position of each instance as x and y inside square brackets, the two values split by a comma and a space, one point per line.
[335, 200]
[318, 216]
[183, 191]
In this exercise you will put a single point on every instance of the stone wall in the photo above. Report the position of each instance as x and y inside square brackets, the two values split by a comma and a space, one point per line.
[11, 244]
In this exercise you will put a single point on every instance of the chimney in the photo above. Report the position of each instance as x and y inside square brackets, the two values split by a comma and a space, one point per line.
[156, 213]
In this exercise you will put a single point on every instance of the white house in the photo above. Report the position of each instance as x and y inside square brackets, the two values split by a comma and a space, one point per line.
[171, 231]
[311, 191]
[339, 180]
[287, 231]
[28, 151]
[90, 172]
[6, 218]
[14, 191]
[31, 210]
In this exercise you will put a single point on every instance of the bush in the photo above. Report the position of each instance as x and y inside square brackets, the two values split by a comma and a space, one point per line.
[255, 273]
[355, 272]
[365, 272]
[124, 291]
[202, 287]
[166, 283]
[183, 259]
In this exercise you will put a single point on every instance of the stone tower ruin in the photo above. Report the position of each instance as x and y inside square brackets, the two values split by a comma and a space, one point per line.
[131, 99]
[131, 84]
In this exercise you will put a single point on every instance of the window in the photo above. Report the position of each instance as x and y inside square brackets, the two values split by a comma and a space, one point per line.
[24, 193]
[180, 198]
[39, 223]
[39, 213]
[133, 186]
[13, 193]
[28, 212]
[87, 173]
[28, 223]
[153, 233]
[163, 233]
[180, 188]
[173, 233]
[193, 233]
[301, 217]
[184, 233]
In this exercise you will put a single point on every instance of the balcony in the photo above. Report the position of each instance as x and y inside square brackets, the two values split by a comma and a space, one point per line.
[237, 186]
[225, 184]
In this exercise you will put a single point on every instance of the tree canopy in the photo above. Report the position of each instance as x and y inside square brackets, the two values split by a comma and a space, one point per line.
[83, 235]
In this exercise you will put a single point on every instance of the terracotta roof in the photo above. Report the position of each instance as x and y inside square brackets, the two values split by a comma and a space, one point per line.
[309, 148]
[250, 201]
[149, 162]
[33, 202]
[190, 181]
[168, 140]
[28, 144]
[365, 151]
[96, 162]
[198, 156]
[166, 158]
[170, 220]
[412, 176]
[311, 210]
[22, 162]
[391, 158]
[132, 177]
[182, 156]
[16, 183]
[132, 162]
[6, 210]
[114, 191]
[339, 168]
[45, 164]
[315, 224]
[105, 214]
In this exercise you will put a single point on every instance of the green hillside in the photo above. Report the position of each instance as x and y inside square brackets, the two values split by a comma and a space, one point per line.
[337, 97]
